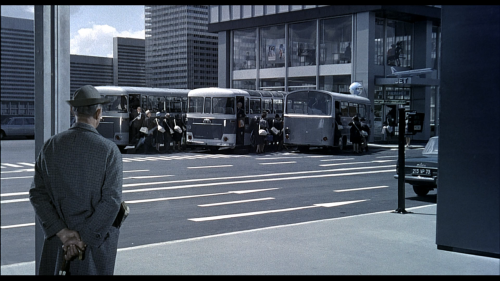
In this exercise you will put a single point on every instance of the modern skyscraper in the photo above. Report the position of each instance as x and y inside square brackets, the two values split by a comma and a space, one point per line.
[180, 52]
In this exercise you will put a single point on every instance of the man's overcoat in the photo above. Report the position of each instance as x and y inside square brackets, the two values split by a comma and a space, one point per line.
[78, 185]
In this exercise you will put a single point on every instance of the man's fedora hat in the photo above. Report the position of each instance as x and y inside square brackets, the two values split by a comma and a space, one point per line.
[87, 95]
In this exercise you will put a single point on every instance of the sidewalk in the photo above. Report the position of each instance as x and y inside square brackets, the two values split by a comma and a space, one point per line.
[384, 243]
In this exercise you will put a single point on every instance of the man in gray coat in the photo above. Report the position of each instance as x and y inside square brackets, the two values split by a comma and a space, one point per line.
[76, 193]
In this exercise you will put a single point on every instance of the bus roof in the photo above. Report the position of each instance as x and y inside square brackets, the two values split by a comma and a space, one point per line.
[337, 96]
[138, 90]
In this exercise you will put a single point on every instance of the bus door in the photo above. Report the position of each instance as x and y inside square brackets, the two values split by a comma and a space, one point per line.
[240, 119]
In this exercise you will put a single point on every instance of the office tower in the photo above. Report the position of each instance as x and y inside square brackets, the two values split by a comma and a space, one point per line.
[180, 52]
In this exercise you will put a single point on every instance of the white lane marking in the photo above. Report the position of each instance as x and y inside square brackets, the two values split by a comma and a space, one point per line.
[195, 196]
[14, 201]
[390, 156]
[135, 171]
[208, 167]
[257, 176]
[221, 217]
[147, 177]
[19, 171]
[353, 163]
[277, 163]
[15, 193]
[12, 165]
[361, 188]
[253, 181]
[236, 202]
[18, 225]
[12, 178]
[339, 159]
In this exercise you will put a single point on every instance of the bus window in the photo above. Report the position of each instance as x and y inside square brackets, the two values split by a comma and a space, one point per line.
[255, 106]
[208, 105]
[344, 109]
[362, 111]
[117, 104]
[144, 103]
[223, 105]
[184, 104]
[268, 105]
[353, 109]
[195, 104]
[278, 106]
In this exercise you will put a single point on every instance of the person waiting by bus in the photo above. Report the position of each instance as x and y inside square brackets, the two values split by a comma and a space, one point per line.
[355, 134]
[240, 131]
[150, 124]
[366, 128]
[158, 136]
[177, 137]
[260, 139]
[338, 122]
[136, 119]
[277, 123]
[168, 124]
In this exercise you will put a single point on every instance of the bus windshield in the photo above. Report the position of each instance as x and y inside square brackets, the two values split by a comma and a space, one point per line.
[195, 104]
[223, 105]
[310, 103]
[117, 104]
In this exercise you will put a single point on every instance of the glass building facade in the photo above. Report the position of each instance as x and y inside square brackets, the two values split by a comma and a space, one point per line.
[294, 47]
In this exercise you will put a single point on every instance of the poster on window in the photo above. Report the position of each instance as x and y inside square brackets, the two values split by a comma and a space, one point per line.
[275, 49]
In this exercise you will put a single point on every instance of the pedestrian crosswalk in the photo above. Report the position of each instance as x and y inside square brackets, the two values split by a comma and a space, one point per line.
[138, 158]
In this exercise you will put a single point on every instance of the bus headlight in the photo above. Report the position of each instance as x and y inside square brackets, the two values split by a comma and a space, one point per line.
[225, 139]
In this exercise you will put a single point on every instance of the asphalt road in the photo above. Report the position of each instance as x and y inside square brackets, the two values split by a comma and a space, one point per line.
[198, 193]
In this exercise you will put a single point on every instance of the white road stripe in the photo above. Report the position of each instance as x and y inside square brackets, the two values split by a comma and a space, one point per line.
[236, 202]
[147, 177]
[18, 225]
[11, 178]
[339, 159]
[254, 181]
[12, 165]
[361, 188]
[27, 164]
[277, 163]
[258, 176]
[353, 163]
[207, 167]
[334, 204]
[14, 201]
[195, 196]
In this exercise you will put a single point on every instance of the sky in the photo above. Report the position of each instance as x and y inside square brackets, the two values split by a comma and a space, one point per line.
[92, 28]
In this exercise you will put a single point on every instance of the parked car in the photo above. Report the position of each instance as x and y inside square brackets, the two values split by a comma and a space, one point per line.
[422, 172]
[17, 126]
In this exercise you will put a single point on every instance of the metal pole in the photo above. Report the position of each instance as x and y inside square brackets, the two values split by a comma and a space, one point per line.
[401, 159]
[52, 85]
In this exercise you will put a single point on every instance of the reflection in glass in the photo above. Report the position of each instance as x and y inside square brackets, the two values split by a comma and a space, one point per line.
[335, 40]
[303, 43]
[272, 47]
[244, 49]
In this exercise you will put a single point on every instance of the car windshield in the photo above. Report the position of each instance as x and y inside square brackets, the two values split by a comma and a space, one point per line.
[431, 147]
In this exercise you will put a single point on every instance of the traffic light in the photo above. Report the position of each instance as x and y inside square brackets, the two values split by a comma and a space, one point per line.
[415, 122]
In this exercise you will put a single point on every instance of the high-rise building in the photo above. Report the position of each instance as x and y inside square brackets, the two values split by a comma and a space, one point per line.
[18, 67]
[125, 68]
[129, 62]
[180, 52]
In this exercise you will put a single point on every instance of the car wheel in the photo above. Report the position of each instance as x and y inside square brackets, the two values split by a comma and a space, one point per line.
[2, 135]
[421, 190]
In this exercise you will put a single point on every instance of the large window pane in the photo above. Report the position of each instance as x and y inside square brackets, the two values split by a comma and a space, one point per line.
[272, 84]
[244, 49]
[399, 43]
[311, 103]
[272, 44]
[244, 84]
[335, 83]
[303, 43]
[379, 41]
[223, 105]
[301, 83]
[335, 40]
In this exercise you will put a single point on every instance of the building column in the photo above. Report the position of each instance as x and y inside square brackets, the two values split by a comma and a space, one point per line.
[52, 84]
[224, 65]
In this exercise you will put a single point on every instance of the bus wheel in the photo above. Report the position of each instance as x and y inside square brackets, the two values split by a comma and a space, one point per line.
[341, 144]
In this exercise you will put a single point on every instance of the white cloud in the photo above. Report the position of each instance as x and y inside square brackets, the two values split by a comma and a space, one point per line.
[98, 40]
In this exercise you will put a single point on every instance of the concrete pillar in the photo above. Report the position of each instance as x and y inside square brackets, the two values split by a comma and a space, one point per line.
[224, 65]
[52, 83]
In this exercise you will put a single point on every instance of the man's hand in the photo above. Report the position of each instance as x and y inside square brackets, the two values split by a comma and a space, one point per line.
[72, 243]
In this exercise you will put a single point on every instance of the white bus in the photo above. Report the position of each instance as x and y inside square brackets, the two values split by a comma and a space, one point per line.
[310, 118]
[212, 120]
[115, 122]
